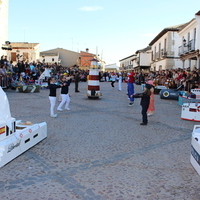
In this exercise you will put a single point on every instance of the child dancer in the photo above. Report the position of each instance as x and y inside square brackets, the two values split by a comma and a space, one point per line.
[151, 108]
[119, 78]
[64, 93]
[130, 87]
[145, 100]
[52, 95]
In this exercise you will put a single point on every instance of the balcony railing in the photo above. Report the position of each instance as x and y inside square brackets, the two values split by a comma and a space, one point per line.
[187, 47]
[162, 54]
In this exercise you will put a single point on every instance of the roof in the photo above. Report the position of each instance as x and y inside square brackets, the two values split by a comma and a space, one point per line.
[198, 13]
[23, 45]
[127, 57]
[49, 54]
[143, 50]
[85, 52]
[57, 50]
[165, 30]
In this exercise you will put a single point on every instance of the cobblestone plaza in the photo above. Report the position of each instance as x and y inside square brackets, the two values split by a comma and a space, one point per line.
[99, 151]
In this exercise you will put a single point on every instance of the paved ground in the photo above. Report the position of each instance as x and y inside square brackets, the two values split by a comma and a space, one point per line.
[99, 151]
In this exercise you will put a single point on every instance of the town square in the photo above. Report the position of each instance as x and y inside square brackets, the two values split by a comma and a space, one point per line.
[99, 100]
[98, 150]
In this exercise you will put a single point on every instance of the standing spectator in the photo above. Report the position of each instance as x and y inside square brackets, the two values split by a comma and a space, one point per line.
[76, 80]
[2, 60]
[105, 74]
[141, 78]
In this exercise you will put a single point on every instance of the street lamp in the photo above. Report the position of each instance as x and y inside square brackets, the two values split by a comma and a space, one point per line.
[184, 42]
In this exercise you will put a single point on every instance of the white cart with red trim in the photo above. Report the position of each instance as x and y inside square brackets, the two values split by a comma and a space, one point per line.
[15, 136]
[191, 111]
[196, 91]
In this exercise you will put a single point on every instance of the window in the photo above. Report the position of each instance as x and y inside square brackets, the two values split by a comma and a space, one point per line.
[25, 56]
[52, 59]
[13, 56]
[159, 50]
[165, 45]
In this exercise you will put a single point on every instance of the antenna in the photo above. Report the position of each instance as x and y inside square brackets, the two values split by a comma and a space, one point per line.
[96, 50]
[102, 54]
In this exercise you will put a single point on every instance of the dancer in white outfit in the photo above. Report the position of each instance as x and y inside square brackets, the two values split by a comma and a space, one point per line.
[64, 93]
[119, 78]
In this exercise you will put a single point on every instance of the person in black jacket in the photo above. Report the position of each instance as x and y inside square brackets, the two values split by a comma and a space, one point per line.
[52, 95]
[145, 100]
[76, 80]
[64, 93]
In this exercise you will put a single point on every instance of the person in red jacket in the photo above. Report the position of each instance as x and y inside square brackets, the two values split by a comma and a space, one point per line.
[130, 87]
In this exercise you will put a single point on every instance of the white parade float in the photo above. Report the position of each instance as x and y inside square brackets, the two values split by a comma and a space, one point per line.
[15, 136]
[196, 91]
[191, 111]
[93, 90]
[195, 148]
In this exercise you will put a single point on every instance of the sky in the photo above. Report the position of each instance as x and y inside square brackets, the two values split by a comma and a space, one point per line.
[113, 29]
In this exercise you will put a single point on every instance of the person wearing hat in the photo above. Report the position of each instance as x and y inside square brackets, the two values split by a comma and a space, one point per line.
[130, 86]
[145, 100]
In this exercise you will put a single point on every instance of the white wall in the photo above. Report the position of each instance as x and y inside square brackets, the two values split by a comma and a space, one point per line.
[169, 43]
[191, 33]
[3, 24]
[48, 59]
[145, 58]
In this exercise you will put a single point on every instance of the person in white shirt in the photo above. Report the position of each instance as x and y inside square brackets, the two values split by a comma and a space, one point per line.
[119, 78]
[113, 79]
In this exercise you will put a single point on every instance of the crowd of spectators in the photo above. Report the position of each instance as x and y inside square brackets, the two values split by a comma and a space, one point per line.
[28, 73]
[172, 78]
[24, 73]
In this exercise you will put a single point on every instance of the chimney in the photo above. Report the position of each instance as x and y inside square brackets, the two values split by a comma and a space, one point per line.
[87, 50]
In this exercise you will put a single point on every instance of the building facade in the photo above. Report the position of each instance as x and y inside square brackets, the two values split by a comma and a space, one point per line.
[142, 60]
[111, 67]
[126, 64]
[190, 44]
[3, 24]
[49, 58]
[66, 57]
[24, 51]
[85, 59]
[165, 49]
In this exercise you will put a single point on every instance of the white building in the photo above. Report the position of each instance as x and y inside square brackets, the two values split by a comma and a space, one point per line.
[50, 58]
[165, 49]
[190, 43]
[3, 24]
[111, 67]
[28, 52]
[66, 57]
[126, 64]
[142, 60]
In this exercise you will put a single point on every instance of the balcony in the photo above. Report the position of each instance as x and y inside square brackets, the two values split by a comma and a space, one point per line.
[186, 48]
[162, 54]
